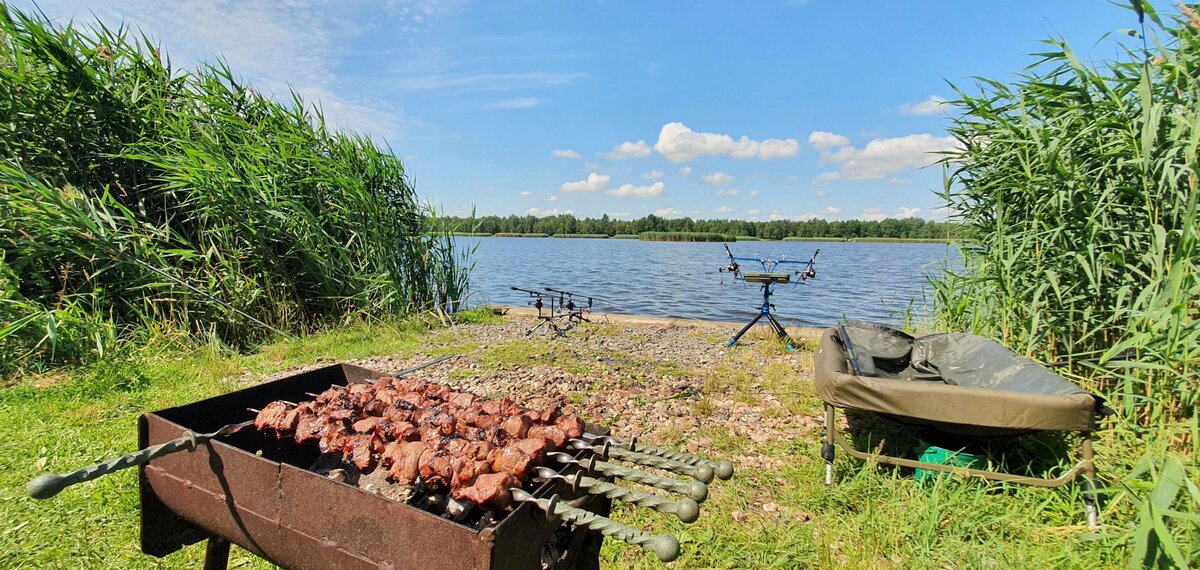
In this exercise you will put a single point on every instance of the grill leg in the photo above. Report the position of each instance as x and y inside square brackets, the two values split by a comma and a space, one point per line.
[216, 553]
[827, 445]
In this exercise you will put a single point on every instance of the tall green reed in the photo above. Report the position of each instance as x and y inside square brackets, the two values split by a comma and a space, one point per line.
[136, 193]
[1076, 184]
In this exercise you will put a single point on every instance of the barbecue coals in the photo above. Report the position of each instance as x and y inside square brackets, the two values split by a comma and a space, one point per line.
[449, 441]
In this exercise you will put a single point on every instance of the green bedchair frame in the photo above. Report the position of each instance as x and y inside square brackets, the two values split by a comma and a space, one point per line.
[958, 384]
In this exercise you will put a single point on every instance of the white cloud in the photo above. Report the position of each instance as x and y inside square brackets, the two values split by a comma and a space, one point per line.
[822, 193]
[550, 212]
[518, 103]
[825, 140]
[594, 183]
[832, 210]
[465, 82]
[629, 149]
[903, 212]
[630, 191]
[668, 213]
[882, 158]
[679, 143]
[717, 178]
[931, 106]
[897, 181]
[723, 210]
[653, 175]
[566, 153]
[872, 215]
[526, 194]
[685, 171]
[552, 198]
[775, 215]
[731, 192]
[825, 178]
[753, 211]
[754, 193]
[621, 215]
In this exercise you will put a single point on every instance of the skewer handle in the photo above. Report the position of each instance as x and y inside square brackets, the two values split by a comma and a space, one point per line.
[686, 509]
[50, 484]
[699, 472]
[722, 469]
[664, 546]
[695, 490]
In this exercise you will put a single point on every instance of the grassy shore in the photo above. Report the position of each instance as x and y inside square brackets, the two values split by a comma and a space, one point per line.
[755, 405]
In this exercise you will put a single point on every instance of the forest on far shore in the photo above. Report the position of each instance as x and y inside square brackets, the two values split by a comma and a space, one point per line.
[907, 228]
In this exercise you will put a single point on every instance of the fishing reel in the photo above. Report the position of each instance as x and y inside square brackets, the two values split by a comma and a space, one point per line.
[566, 299]
[537, 299]
[809, 271]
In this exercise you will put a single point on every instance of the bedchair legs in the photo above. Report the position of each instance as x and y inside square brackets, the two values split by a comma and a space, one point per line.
[1091, 499]
[1085, 467]
[827, 445]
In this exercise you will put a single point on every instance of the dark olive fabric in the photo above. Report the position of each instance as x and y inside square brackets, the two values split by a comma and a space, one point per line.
[959, 383]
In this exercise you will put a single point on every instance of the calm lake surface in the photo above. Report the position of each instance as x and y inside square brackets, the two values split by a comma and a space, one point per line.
[873, 281]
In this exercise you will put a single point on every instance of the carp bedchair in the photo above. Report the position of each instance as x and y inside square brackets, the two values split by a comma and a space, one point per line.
[957, 384]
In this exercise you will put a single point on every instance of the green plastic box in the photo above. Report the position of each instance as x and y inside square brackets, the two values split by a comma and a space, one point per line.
[943, 456]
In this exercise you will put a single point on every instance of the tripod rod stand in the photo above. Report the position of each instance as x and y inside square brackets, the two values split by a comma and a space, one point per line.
[765, 311]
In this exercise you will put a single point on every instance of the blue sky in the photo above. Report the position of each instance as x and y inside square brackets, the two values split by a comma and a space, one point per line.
[751, 110]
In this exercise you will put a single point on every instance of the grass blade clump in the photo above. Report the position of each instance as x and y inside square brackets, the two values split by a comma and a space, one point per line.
[137, 193]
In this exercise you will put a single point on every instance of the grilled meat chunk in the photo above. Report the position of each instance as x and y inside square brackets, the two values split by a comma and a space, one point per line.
[489, 491]
[281, 417]
[517, 426]
[571, 425]
[510, 460]
[553, 436]
[474, 448]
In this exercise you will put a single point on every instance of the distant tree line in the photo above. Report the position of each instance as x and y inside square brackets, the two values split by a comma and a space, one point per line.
[908, 228]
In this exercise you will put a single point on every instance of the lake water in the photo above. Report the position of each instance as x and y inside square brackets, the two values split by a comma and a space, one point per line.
[873, 281]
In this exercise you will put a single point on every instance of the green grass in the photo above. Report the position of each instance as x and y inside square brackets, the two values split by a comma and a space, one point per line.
[748, 238]
[872, 518]
[586, 236]
[685, 236]
[528, 235]
[626, 236]
[471, 234]
[813, 239]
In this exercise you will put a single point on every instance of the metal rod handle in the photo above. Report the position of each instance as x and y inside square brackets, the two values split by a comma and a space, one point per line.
[722, 469]
[664, 546]
[50, 484]
[685, 509]
[696, 490]
[702, 473]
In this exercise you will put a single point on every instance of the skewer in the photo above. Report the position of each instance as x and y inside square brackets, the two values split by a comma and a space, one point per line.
[49, 484]
[722, 469]
[701, 472]
[695, 490]
[686, 509]
[665, 546]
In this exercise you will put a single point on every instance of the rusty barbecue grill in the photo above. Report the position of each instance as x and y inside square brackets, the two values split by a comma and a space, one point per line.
[296, 508]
